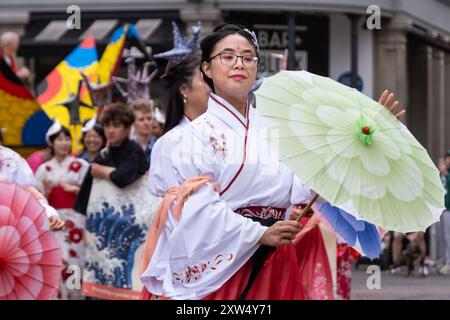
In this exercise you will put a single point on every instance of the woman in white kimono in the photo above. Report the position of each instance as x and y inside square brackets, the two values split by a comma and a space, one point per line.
[215, 236]
[223, 143]
[59, 179]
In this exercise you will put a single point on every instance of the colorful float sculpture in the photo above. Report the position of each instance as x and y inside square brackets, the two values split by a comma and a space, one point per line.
[68, 94]
[21, 117]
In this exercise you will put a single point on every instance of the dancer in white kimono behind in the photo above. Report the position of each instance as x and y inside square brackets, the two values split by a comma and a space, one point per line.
[59, 179]
[189, 99]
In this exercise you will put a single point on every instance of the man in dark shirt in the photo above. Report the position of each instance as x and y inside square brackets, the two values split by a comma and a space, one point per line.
[122, 162]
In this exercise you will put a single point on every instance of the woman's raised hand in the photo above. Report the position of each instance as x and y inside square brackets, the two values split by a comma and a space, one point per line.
[387, 99]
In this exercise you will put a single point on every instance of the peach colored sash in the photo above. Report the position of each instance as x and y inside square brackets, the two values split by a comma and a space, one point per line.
[180, 194]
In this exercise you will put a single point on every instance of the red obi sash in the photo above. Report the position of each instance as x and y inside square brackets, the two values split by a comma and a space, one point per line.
[60, 199]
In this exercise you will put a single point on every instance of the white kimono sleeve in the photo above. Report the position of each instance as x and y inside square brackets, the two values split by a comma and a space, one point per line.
[40, 176]
[24, 174]
[49, 210]
[25, 178]
[85, 166]
[15, 168]
[162, 174]
[300, 193]
[196, 255]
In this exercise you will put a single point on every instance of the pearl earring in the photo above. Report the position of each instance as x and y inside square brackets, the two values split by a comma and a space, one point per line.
[184, 99]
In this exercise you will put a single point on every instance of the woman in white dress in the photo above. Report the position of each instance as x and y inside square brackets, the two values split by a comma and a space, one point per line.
[59, 179]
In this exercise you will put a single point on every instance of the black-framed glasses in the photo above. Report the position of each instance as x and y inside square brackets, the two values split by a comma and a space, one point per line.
[230, 59]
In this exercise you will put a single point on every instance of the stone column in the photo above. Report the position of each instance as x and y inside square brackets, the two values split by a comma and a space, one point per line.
[437, 109]
[209, 16]
[447, 102]
[429, 101]
[420, 63]
[391, 70]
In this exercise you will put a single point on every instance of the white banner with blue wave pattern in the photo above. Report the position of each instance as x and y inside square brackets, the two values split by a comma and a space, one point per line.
[117, 222]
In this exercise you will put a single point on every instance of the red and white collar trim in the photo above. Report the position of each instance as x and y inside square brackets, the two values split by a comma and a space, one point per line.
[229, 108]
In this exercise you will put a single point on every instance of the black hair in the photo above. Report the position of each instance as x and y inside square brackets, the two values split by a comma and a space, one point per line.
[53, 137]
[117, 113]
[1, 137]
[98, 128]
[221, 31]
[175, 76]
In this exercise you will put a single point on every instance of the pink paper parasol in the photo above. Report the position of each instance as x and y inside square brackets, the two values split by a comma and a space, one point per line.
[30, 257]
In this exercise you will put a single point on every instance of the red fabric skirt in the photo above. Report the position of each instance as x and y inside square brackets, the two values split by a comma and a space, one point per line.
[61, 199]
[298, 271]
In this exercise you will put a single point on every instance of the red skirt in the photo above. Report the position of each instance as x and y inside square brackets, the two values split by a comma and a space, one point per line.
[299, 271]
[61, 199]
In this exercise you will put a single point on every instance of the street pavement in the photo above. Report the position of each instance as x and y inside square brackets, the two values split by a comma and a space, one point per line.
[400, 286]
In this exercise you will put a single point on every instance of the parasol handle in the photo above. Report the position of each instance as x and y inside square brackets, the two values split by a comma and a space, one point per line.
[308, 206]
